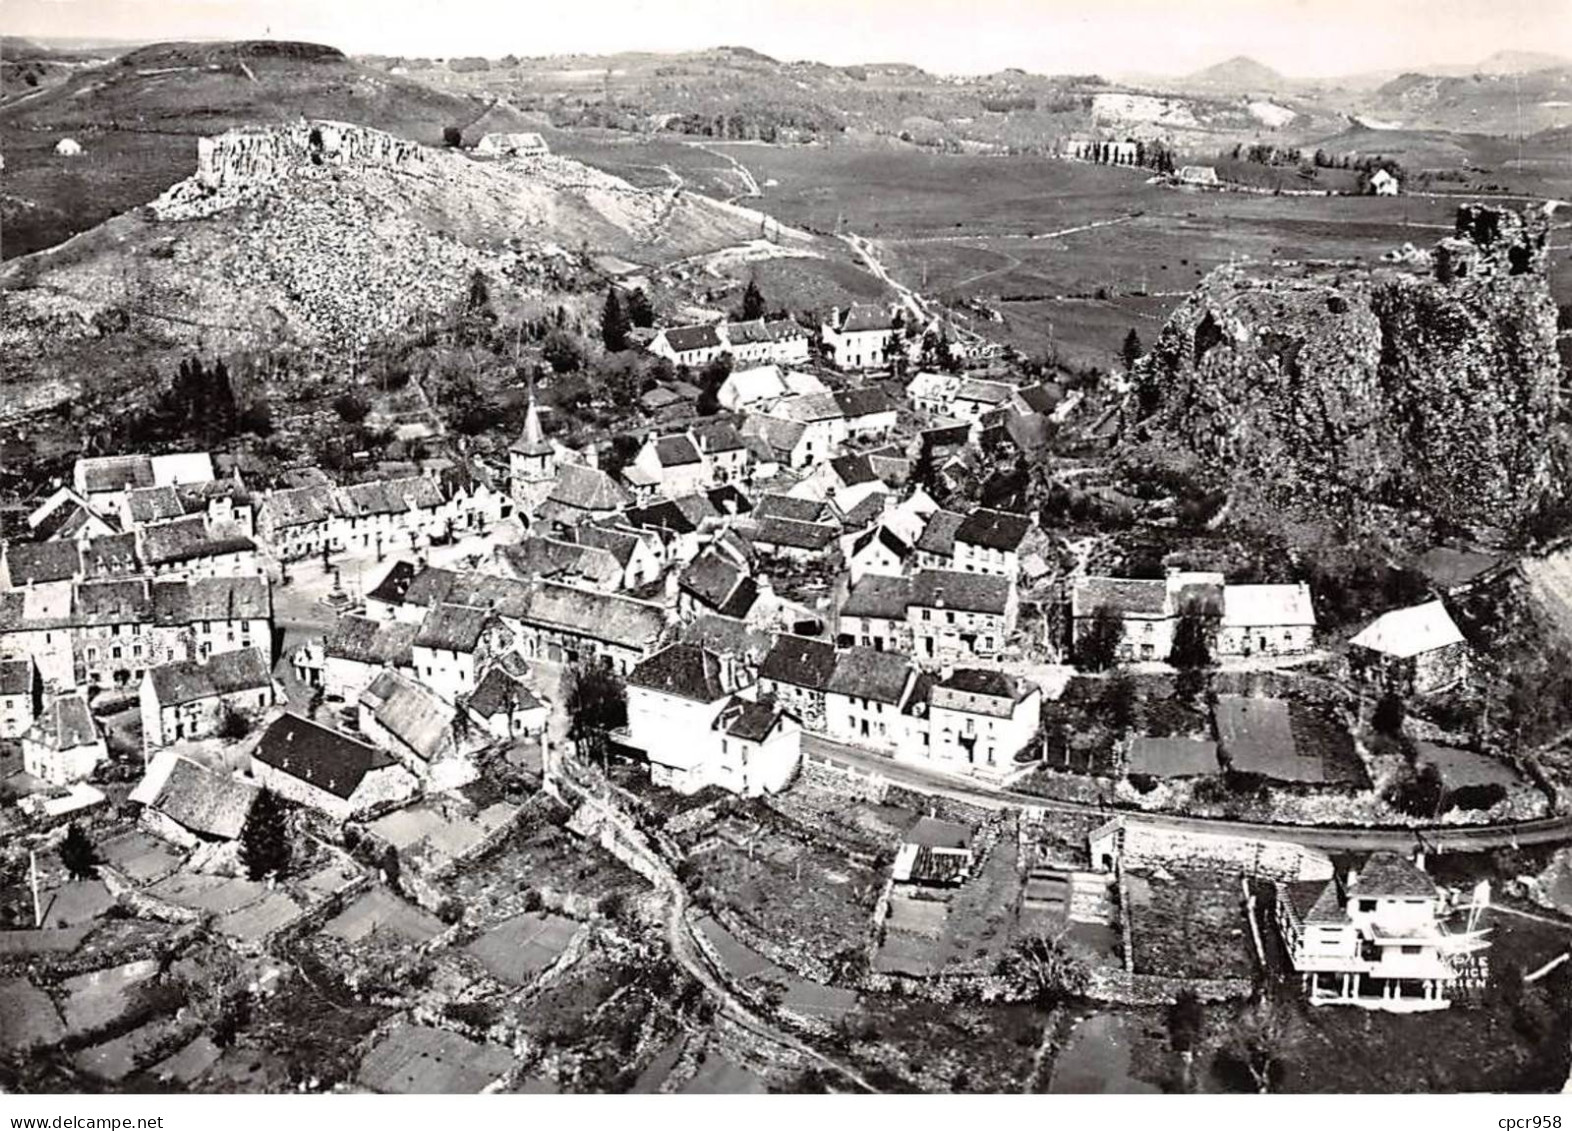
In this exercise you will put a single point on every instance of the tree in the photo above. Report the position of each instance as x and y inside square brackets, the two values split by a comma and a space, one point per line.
[352, 407]
[451, 136]
[1045, 970]
[640, 312]
[1251, 1049]
[1131, 351]
[597, 704]
[234, 724]
[264, 838]
[1389, 714]
[78, 854]
[711, 378]
[1192, 649]
[562, 352]
[1185, 1016]
[1417, 791]
[752, 302]
[614, 323]
[1118, 701]
[1097, 647]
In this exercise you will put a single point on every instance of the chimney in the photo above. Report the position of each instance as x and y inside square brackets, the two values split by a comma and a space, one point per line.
[835, 317]
[946, 670]
[592, 456]
[938, 596]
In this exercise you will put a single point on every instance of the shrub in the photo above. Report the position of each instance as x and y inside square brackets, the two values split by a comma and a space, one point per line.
[352, 407]
[612, 905]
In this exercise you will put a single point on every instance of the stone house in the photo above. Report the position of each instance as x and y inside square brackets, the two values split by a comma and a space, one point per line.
[957, 616]
[869, 412]
[933, 393]
[637, 552]
[1266, 620]
[723, 448]
[359, 648]
[64, 744]
[796, 674]
[447, 653]
[105, 480]
[979, 719]
[670, 465]
[188, 699]
[693, 346]
[874, 614]
[505, 706]
[188, 804]
[430, 736]
[299, 522]
[21, 696]
[1418, 649]
[309, 764]
[194, 547]
[990, 541]
[865, 697]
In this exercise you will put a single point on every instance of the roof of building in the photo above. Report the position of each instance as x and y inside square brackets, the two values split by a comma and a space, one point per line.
[930, 383]
[154, 504]
[390, 496]
[1450, 568]
[728, 499]
[997, 530]
[760, 383]
[808, 408]
[1267, 606]
[853, 471]
[985, 683]
[866, 400]
[1404, 633]
[110, 555]
[1316, 901]
[37, 563]
[1388, 874]
[867, 673]
[745, 333]
[991, 393]
[318, 756]
[793, 508]
[1171, 757]
[18, 677]
[715, 582]
[785, 329]
[501, 691]
[394, 586]
[677, 451]
[878, 596]
[411, 712]
[65, 724]
[938, 536]
[620, 544]
[224, 673]
[208, 802]
[532, 439]
[780, 434]
[211, 599]
[967, 592]
[748, 720]
[117, 602]
[301, 506]
[1127, 596]
[187, 539]
[587, 489]
[800, 662]
[607, 617]
[867, 511]
[1041, 398]
[452, 628]
[554, 558]
[932, 832]
[369, 641]
[795, 535]
[717, 436]
[860, 318]
[684, 339]
[101, 474]
[687, 671]
[727, 636]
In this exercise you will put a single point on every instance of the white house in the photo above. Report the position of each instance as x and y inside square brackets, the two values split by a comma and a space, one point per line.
[512, 145]
[744, 389]
[673, 465]
[447, 652]
[1376, 940]
[1383, 183]
[932, 392]
[865, 696]
[21, 696]
[990, 541]
[955, 616]
[64, 745]
[506, 707]
[979, 719]
[861, 337]
[692, 346]
[1266, 620]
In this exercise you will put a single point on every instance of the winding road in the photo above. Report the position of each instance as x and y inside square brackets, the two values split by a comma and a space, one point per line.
[1328, 838]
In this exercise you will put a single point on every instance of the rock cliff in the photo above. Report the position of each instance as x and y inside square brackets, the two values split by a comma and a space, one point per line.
[1359, 395]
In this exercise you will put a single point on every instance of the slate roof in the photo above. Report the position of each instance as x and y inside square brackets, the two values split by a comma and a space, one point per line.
[780, 434]
[728, 499]
[853, 470]
[868, 400]
[154, 504]
[878, 596]
[1125, 596]
[497, 690]
[112, 555]
[800, 662]
[390, 496]
[394, 586]
[587, 489]
[369, 641]
[211, 598]
[37, 563]
[685, 670]
[793, 508]
[760, 383]
[102, 474]
[968, 592]
[301, 506]
[794, 535]
[676, 451]
[717, 436]
[187, 539]
[599, 616]
[867, 511]
[808, 408]
[1388, 874]
[1173, 757]
[115, 602]
[662, 515]
[865, 317]
[551, 557]
[684, 339]
[452, 628]
[1405, 633]
[715, 582]
[991, 393]
[746, 333]
[65, 724]
[867, 673]
[997, 530]
[411, 713]
[1041, 398]
[208, 802]
[318, 756]
[785, 329]
[224, 673]
[16, 676]
[938, 536]
[1316, 901]
[620, 544]
[748, 720]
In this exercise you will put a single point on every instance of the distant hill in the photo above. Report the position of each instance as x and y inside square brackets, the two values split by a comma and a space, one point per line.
[1503, 104]
[1521, 62]
[1241, 73]
[137, 119]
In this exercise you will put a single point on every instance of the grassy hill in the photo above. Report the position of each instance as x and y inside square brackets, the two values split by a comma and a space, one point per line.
[137, 118]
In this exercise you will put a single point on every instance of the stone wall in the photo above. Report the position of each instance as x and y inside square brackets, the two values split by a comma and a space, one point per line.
[1145, 845]
[249, 156]
[1121, 987]
[844, 780]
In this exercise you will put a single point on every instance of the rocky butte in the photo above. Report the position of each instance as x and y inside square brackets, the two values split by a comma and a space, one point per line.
[1371, 395]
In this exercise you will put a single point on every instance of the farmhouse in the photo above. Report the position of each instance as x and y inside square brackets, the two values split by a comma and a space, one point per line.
[1383, 183]
[429, 736]
[188, 804]
[1419, 648]
[63, 745]
[957, 616]
[1266, 620]
[298, 523]
[869, 413]
[186, 699]
[192, 547]
[864, 698]
[446, 653]
[932, 392]
[874, 614]
[311, 765]
[796, 674]
[693, 346]
[358, 648]
[505, 706]
[990, 541]
[673, 465]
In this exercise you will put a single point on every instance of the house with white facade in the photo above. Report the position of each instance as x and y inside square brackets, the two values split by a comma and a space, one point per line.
[865, 697]
[299, 522]
[979, 719]
[693, 346]
[506, 707]
[933, 392]
[1375, 939]
[671, 465]
[188, 699]
[430, 736]
[990, 541]
[358, 648]
[64, 744]
[447, 653]
[862, 337]
[21, 696]
[311, 765]
[1266, 620]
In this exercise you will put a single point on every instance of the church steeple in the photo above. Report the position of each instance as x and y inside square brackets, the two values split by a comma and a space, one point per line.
[532, 459]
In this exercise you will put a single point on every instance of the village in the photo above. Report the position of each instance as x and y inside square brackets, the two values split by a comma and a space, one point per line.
[710, 759]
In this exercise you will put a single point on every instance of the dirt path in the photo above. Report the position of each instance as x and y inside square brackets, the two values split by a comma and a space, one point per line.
[750, 186]
[910, 299]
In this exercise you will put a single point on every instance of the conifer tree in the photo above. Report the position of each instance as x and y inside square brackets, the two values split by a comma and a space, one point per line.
[78, 854]
[613, 323]
[264, 839]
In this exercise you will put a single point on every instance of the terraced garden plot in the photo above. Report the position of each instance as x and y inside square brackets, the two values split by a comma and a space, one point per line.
[115, 1060]
[381, 910]
[75, 904]
[1189, 925]
[417, 1060]
[140, 857]
[219, 895]
[190, 1063]
[28, 1017]
[93, 1001]
[520, 949]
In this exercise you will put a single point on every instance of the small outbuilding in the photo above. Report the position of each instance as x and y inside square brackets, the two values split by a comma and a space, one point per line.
[68, 147]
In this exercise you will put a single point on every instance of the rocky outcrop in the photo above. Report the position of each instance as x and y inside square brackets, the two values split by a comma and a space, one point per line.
[248, 156]
[1357, 394]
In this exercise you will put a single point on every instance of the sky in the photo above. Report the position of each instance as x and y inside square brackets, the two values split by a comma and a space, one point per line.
[1301, 38]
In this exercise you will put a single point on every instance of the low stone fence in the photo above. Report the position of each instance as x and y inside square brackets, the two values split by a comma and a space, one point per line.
[1122, 987]
[861, 785]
